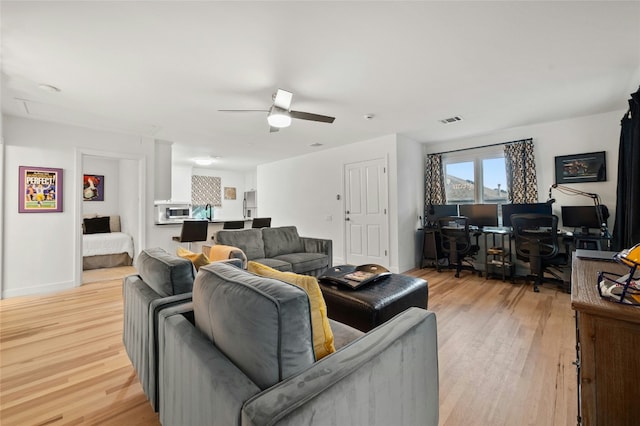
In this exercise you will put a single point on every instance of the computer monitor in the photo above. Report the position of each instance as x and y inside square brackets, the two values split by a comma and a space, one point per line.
[584, 217]
[436, 211]
[534, 208]
[480, 214]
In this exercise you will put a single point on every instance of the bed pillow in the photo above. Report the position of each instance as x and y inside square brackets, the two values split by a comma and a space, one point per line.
[323, 343]
[97, 225]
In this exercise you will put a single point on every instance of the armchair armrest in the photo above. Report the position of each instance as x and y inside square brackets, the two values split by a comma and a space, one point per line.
[390, 374]
[198, 384]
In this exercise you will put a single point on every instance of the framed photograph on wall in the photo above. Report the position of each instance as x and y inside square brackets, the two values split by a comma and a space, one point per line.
[589, 167]
[39, 190]
[93, 188]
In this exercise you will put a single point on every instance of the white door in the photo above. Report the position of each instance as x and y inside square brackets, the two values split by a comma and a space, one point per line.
[366, 213]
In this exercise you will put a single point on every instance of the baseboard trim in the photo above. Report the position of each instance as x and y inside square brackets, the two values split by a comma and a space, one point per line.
[37, 290]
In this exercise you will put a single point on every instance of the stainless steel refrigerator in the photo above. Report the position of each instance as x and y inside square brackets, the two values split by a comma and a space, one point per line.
[250, 204]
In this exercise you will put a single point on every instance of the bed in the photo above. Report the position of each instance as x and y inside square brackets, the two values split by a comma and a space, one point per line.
[103, 245]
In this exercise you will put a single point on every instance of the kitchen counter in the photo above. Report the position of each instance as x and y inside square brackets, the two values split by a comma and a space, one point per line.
[179, 222]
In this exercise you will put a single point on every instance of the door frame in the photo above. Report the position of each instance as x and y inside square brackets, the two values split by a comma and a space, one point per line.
[80, 154]
[385, 159]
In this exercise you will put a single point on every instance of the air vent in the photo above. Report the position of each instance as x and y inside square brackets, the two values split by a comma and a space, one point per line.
[316, 144]
[451, 120]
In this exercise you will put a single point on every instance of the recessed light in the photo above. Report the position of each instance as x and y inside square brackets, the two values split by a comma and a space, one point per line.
[49, 88]
[204, 161]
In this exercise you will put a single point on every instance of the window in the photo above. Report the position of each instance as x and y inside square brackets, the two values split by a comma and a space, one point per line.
[484, 167]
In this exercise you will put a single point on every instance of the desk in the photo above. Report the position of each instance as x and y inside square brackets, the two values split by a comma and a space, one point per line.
[429, 246]
[607, 347]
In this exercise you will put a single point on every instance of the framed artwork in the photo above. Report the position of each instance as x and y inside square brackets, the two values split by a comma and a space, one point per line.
[229, 193]
[93, 188]
[39, 190]
[589, 167]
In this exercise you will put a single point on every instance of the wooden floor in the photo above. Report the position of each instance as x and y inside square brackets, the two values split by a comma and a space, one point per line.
[505, 356]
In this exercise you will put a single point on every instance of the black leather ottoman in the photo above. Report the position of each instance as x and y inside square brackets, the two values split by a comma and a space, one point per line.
[374, 303]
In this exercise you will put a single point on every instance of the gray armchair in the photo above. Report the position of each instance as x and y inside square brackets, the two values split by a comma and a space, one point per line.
[245, 357]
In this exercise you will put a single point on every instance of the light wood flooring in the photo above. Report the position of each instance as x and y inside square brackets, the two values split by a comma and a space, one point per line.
[505, 355]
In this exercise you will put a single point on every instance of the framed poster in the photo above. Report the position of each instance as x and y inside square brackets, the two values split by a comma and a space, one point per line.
[229, 193]
[93, 188]
[589, 167]
[39, 190]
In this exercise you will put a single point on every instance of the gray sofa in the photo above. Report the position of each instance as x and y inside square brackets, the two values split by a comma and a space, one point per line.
[163, 280]
[281, 248]
[241, 353]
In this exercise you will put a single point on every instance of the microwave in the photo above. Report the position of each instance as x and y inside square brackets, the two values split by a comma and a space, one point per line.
[172, 213]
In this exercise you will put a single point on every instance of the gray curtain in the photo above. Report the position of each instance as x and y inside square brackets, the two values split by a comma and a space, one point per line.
[433, 182]
[521, 172]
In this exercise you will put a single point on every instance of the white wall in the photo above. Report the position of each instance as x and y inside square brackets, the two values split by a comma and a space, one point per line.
[600, 132]
[110, 169]
[230, 209]
[410, 200]
[303, 191]
[39, 254]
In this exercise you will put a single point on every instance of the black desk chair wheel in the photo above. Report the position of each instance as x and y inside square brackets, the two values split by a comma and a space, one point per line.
[455, 241]
[193, 230]
[537, 243]
[261, 222]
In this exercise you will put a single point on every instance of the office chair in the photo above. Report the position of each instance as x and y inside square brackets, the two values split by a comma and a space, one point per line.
[537, 243]
[455, 241]
[193, 230]
[233, 224]
[261, 222]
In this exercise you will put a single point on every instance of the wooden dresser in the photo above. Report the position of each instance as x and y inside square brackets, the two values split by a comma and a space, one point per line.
[608, 350]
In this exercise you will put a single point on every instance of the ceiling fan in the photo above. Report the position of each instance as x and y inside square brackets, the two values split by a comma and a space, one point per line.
[280, 113]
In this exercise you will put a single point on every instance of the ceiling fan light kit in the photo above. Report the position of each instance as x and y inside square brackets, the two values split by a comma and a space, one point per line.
[278, 117]
[280, 114]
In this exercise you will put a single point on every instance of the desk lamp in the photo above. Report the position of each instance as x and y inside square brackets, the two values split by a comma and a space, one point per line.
[604, 231]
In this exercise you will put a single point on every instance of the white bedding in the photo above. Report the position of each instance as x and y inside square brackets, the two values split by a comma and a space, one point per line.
[111, 243]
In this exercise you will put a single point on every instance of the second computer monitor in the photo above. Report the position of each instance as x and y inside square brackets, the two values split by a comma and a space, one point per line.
[480, 214]
[509, 209]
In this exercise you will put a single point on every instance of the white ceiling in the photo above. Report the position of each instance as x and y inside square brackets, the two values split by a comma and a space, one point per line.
[164, 69]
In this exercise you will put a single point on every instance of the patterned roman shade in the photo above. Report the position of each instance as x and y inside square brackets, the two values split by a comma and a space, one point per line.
[206, 190]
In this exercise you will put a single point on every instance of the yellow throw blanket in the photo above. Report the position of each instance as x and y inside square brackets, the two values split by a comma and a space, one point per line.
[222, 252]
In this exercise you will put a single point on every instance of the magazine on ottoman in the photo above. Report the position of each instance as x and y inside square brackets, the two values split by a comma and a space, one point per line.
[354, 277]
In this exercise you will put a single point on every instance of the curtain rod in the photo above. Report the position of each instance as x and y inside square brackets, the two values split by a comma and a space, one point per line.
[483, 146]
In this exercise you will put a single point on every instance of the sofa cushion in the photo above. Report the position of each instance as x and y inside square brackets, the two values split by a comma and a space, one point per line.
[247, 240]
[305, 262]
[165, 273]
[262, 325]
[198, 259]
[282, 240]
[280, 265]
[322, 333]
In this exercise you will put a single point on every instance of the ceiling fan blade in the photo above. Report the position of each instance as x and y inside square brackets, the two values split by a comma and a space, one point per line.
[282, 99]
[243, 110]
[313, 117]
[273, 129]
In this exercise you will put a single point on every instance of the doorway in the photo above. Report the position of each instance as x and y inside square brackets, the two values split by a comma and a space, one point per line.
[366, 212]
[130, 189]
